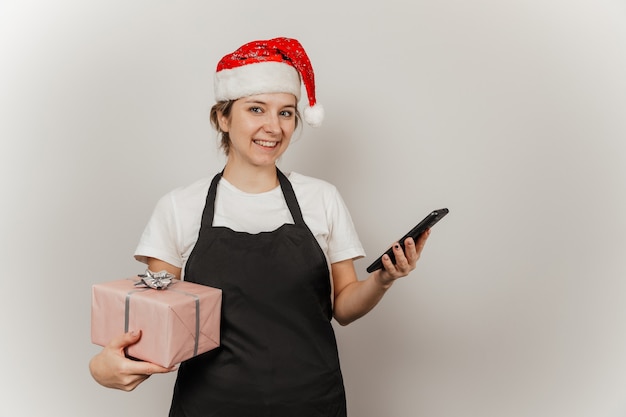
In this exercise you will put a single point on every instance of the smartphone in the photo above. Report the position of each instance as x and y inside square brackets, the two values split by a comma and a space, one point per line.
[428, 222]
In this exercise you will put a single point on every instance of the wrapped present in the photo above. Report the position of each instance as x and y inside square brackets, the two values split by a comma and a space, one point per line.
[178, 319]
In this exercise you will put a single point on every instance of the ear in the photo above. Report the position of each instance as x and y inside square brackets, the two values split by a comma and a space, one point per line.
[223, 121]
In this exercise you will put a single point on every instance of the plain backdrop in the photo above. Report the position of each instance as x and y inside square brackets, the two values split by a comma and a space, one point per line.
[510, 113]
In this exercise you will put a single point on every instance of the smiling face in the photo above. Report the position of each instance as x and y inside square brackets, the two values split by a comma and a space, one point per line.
[260, 128]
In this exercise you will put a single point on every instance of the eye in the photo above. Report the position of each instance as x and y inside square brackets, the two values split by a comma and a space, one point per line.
[286, 113]
[255, 109]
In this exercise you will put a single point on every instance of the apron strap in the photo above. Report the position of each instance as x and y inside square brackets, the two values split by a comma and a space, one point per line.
[290, 198]
[209, 205]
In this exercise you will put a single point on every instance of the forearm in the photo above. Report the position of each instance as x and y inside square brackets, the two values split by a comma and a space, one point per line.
[354, 298]
[157, 265]
[358, 298]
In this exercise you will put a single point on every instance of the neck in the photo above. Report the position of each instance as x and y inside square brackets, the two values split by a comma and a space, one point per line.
[251, 179]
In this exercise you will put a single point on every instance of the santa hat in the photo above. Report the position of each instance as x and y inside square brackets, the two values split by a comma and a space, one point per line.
[271, 66]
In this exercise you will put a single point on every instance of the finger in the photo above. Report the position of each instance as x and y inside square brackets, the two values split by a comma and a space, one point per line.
[387, 264]
[139, 367]
[126, 339]
[130, 382]
[148, 368]
[143, 368]
[421, 241]
[401, 261]
[410, 251]
[132, 373]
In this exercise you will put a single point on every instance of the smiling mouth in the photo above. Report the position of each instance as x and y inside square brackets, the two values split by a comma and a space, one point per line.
[266, 143]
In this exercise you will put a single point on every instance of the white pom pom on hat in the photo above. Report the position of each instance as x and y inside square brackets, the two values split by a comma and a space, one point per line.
[314, 115]
[268, 66]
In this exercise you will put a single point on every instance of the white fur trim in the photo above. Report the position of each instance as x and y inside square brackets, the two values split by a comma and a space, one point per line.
[314, 115]
[258, 78]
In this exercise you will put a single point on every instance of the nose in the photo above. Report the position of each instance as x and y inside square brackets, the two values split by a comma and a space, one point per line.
[272, 124]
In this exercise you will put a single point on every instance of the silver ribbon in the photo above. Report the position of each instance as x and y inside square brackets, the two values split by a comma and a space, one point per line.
[159, 281]
[155, 280]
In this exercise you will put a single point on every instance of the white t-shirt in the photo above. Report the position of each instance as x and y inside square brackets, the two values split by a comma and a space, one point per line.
[173, 228]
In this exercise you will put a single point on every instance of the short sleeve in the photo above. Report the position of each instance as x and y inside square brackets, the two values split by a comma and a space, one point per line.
[343, 240]
[160, 238]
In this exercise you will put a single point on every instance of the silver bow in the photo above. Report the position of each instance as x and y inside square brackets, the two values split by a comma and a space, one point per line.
[156, 280]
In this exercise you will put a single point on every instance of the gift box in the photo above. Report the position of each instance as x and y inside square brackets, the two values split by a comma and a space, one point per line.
[177, 321]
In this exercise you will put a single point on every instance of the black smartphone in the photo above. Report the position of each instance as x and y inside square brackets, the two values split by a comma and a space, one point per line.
[428, 222]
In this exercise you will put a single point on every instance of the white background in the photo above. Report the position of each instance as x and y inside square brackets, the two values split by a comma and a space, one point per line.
[511, 114]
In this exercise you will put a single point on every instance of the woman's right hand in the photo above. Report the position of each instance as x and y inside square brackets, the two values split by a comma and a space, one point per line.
[112, 369]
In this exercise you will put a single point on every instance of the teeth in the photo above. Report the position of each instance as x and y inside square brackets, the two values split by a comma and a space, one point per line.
[266, 143]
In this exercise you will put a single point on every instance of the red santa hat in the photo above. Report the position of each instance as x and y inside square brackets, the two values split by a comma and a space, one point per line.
[270, 66]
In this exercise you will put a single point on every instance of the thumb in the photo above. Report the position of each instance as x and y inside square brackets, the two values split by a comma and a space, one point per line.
[126, 339]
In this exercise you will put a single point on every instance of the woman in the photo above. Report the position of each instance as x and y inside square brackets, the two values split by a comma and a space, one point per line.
[280, 247]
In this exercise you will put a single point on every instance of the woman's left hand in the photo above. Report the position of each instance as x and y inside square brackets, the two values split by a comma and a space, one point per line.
[354, 298]
[405, 260]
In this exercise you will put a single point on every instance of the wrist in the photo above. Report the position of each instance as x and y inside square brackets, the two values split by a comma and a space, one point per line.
[382, 279]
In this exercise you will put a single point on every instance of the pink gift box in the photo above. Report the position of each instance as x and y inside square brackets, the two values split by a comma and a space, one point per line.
[177, 323]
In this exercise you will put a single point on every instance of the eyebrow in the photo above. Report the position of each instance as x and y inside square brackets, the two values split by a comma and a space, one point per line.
[292, 106]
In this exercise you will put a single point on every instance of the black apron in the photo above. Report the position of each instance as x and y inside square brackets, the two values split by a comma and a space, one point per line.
[278, 355]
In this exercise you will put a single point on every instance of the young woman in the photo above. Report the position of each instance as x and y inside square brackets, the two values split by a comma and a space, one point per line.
[281, 248]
